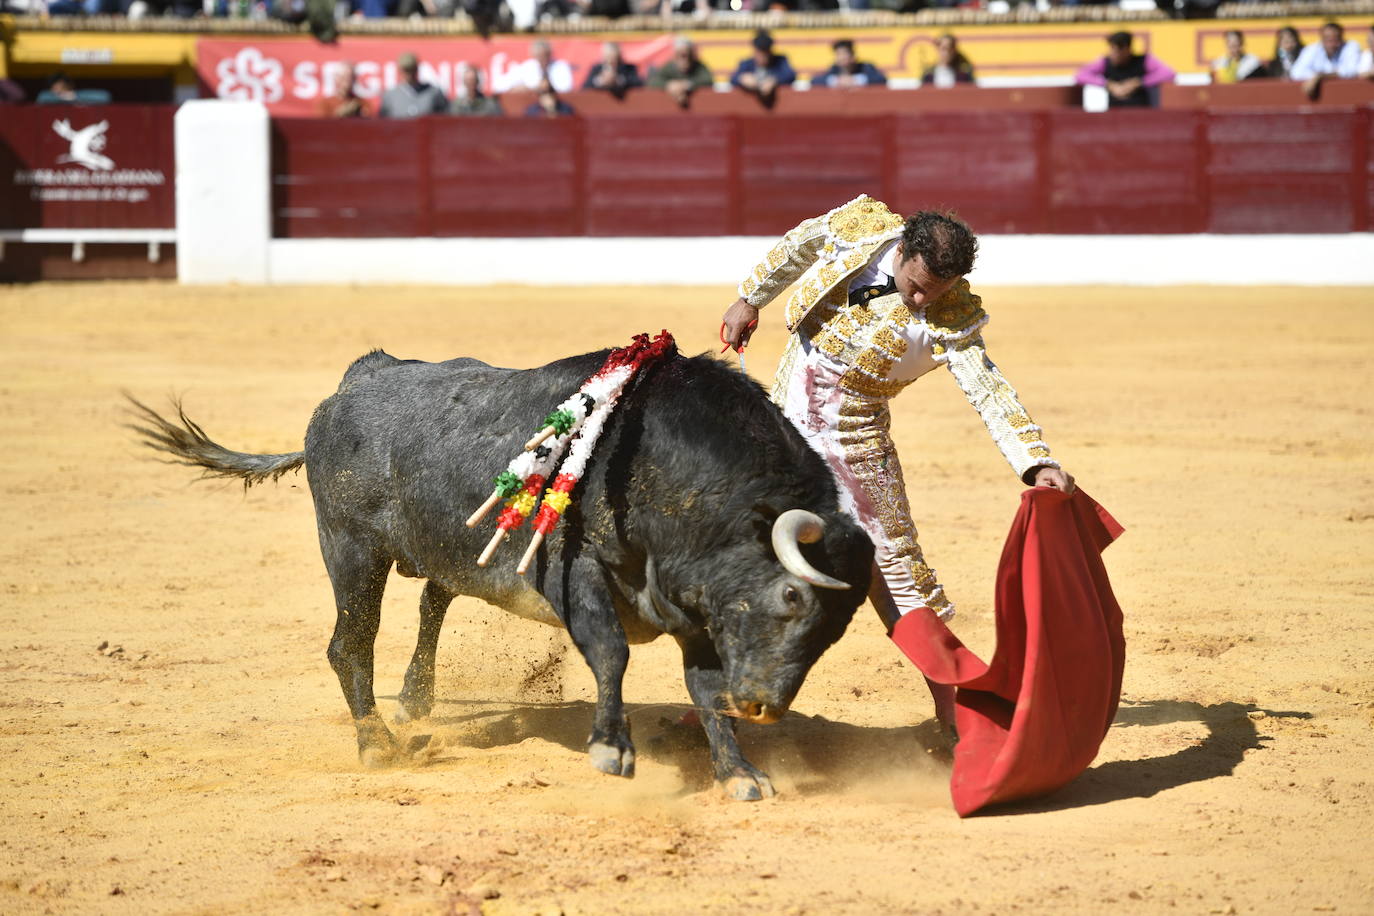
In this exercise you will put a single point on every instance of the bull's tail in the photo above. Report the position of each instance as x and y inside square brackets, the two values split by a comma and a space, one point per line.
[188, 445]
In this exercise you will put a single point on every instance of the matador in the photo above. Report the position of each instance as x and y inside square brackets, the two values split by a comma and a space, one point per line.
[880, 301]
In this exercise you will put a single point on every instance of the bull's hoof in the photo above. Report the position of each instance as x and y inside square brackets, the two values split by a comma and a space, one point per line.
[613, 760]
[748, 787]
[376, 745]
[416, 703]
[376, 758]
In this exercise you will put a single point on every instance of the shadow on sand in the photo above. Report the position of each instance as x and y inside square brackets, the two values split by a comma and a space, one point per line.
[822, 755]
[1230, 733]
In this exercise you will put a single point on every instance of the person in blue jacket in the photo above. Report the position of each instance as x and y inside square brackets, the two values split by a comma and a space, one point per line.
[848, 72]
[763, 72]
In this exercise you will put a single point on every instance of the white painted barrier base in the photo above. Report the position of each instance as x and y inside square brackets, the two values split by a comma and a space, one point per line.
[1005, 260]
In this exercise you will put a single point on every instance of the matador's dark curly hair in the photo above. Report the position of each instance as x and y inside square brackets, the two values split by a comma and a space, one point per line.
[944, 242]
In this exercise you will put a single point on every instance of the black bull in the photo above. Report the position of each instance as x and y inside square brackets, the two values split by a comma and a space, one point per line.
[680, 525]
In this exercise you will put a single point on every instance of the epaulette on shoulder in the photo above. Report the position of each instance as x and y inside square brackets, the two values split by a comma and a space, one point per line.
[957, 315]
[862, 221]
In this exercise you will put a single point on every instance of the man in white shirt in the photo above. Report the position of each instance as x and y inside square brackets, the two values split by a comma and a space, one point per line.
[1332, 56]
[1367, 58]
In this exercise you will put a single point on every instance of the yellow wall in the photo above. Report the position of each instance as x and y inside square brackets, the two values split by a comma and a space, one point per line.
[996, 50]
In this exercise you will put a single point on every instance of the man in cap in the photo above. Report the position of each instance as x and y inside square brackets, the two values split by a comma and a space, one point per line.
[412, 98]
[763, 72]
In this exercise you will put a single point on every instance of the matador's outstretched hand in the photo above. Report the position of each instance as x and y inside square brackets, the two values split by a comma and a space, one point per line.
[738, 324]
[1054, 477]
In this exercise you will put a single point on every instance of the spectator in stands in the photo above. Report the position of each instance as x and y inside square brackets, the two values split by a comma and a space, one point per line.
[548, 104]
[1332, 56]
[612, 73]
[683, 74]
[345, 102]
[412, 98]
[847, 71]
[62, 91]
[1287, 47]
[763, 72]
[59, 91]
[1235, 65]
[951, 66]
[470, 100]
[1367, 58]
[1129, 77]
[540, 67]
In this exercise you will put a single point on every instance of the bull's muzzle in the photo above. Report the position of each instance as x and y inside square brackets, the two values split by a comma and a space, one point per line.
[756, 711]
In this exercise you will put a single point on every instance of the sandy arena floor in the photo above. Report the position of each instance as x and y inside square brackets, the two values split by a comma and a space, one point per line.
[203, 761]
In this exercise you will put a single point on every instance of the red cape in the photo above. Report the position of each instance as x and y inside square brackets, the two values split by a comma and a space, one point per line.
[1033, 719]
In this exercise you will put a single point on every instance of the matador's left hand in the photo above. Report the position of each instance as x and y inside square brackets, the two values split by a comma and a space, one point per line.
[1054, 477]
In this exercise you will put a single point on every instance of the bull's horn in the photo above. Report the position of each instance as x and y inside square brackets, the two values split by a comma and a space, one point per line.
[793, 528]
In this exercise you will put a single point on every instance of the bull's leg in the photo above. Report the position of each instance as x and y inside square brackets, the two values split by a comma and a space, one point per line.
[417, 696]
[359, 578]
[595, 630]
[739, 778]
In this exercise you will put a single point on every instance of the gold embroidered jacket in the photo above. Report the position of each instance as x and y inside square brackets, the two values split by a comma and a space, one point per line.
[821, 256]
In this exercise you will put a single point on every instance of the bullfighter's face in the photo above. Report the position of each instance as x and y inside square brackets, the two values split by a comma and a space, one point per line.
[916, 283]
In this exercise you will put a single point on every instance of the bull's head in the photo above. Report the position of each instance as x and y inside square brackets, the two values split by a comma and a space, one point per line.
[791, 608]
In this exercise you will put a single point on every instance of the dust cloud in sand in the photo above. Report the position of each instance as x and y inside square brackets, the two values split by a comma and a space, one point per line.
[176, 742]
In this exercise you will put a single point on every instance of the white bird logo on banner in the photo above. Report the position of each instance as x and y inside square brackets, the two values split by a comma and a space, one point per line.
[86, 145]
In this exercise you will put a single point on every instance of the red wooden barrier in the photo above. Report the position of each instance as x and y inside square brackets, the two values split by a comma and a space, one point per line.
[1058, 171]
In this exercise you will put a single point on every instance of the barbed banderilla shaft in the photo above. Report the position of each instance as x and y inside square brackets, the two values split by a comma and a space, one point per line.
[490, 549]
[475, 518]
[530, 551]
[539, 437]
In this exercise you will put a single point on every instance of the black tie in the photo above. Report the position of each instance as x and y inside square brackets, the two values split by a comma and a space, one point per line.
[865, 293]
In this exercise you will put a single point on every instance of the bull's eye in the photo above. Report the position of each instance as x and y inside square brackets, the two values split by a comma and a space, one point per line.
[791, 595]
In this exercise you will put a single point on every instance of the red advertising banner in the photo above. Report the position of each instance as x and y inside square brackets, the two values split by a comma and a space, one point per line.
[291, 75]
[77, 167]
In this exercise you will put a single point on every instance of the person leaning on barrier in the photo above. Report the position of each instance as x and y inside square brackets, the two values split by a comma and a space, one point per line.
[848, 71]
[1128, 76]
[470, 100]
[1287, 47]
[1235, 65]
[1367, 58]
[683, 74]
[761, 73]
[951, 66]
[1332, 56]
[612, 73]
[412, 97]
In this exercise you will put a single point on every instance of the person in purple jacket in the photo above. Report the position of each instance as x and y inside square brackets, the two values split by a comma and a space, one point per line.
[1128, 76]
